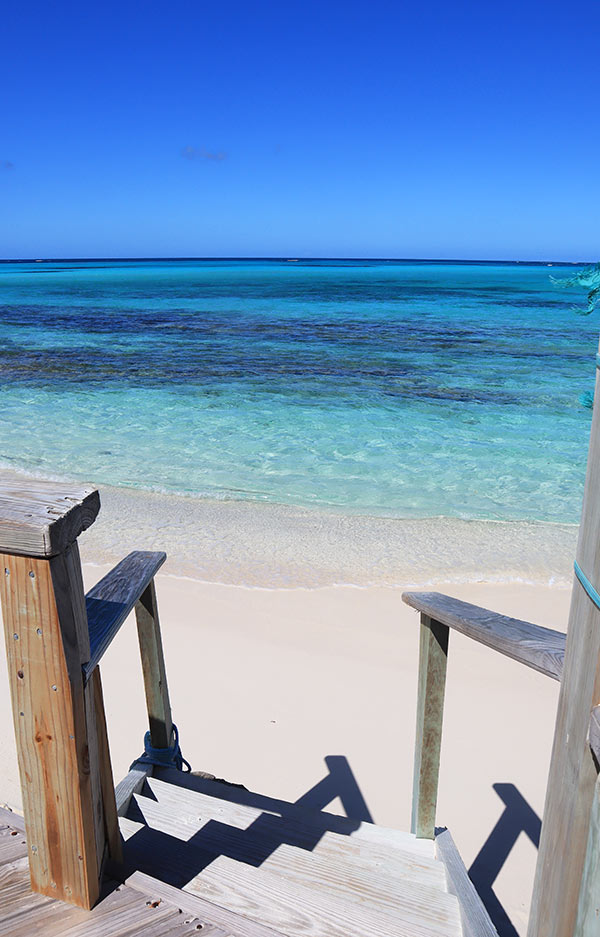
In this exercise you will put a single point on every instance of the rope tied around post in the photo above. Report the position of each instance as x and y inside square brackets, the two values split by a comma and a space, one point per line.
[169, 757]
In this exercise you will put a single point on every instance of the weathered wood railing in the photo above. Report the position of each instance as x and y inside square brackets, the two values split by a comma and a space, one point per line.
[55, 639]
[539, 648]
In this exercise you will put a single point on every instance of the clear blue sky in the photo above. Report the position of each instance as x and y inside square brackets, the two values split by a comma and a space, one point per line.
[466, 130]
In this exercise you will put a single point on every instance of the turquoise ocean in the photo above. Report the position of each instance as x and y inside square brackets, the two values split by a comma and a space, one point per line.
[404, 389]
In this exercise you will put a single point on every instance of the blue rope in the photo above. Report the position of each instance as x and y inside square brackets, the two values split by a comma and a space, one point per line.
[170, 757]
[583, 579]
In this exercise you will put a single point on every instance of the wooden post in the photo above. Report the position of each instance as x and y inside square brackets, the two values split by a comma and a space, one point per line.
[59, 746]
[433, 659]
[573, 773]
[153, 667]
[588, 918]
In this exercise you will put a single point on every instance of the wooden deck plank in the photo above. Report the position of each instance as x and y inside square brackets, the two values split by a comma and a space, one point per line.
[13, 845]
[272, 843]
[296, 901]
[197, 809]
[380, 888]
[12, 819]
[305, 816]
[301, 911]
[204, 910]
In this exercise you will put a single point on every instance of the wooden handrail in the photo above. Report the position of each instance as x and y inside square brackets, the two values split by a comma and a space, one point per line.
[542, 649]
[114, 597]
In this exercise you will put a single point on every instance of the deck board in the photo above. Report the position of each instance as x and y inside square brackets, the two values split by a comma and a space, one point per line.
[287, 870]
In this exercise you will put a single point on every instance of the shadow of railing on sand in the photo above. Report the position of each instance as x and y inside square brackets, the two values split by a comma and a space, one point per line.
[516, 818]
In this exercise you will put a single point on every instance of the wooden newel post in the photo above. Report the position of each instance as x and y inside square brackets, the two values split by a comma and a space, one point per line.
[62, 749]
[560, 871]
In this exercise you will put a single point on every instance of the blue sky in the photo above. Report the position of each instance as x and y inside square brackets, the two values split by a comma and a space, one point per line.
[465, 130]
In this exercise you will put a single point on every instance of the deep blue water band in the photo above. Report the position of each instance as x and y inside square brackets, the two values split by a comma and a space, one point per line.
[583, 579]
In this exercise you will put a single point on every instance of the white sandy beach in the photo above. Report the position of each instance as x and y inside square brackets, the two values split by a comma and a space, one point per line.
[268, 677]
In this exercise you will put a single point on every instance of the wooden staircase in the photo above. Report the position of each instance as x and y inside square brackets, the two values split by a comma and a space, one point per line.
[169, 853]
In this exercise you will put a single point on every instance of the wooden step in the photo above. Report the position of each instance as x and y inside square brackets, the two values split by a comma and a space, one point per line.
[247, 863]
[303, 816]
[233, 828]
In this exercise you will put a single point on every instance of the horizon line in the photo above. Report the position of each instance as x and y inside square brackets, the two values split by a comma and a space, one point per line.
[300, 259]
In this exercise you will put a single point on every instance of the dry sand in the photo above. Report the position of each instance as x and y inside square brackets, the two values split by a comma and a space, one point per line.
[266, 683]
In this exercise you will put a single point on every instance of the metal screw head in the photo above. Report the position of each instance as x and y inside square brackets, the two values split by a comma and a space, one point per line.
[39, 631]
[54, 687]
[16, 636]
[34, 848]
[32, 574]
[6, 571]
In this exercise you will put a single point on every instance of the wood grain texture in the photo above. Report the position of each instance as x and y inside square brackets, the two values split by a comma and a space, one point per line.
[12, 819]
[112, 599]
[44, 667]
[540, 648]
[131, 784]
[595, 733]
[43, 518]
[332, 870]
[230, 922]
[433, 659]
[588, 916]
[229, 819]
[107, 789]
[13, 845]
[153, 668]
[298, 816]
[573, 772]
[475, 919]
[124, 912]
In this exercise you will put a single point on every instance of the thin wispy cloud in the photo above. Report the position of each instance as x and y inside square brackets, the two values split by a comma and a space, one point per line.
[6, 164]
[200, 153]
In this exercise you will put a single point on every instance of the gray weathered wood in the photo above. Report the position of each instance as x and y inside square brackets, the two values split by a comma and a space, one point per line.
[193, 810]
[573, 771]
[433, 658]
[588, 916]
[205, 910]
[10, 818]
[131, 784]
[537, 647]
[42, 518]
[595, 733]
[475, 919]
[111, 600]
[153, 667]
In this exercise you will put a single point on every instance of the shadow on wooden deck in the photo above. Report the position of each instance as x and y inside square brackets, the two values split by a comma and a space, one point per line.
[177, 862]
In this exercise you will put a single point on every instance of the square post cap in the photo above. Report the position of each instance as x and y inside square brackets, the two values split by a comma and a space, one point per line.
[41, 518]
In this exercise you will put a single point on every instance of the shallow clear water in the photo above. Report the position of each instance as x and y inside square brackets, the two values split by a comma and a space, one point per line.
[406, 389]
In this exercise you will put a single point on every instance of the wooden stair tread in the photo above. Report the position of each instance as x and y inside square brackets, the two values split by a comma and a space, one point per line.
[320, 889]
[184, 786]
[236, 827]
